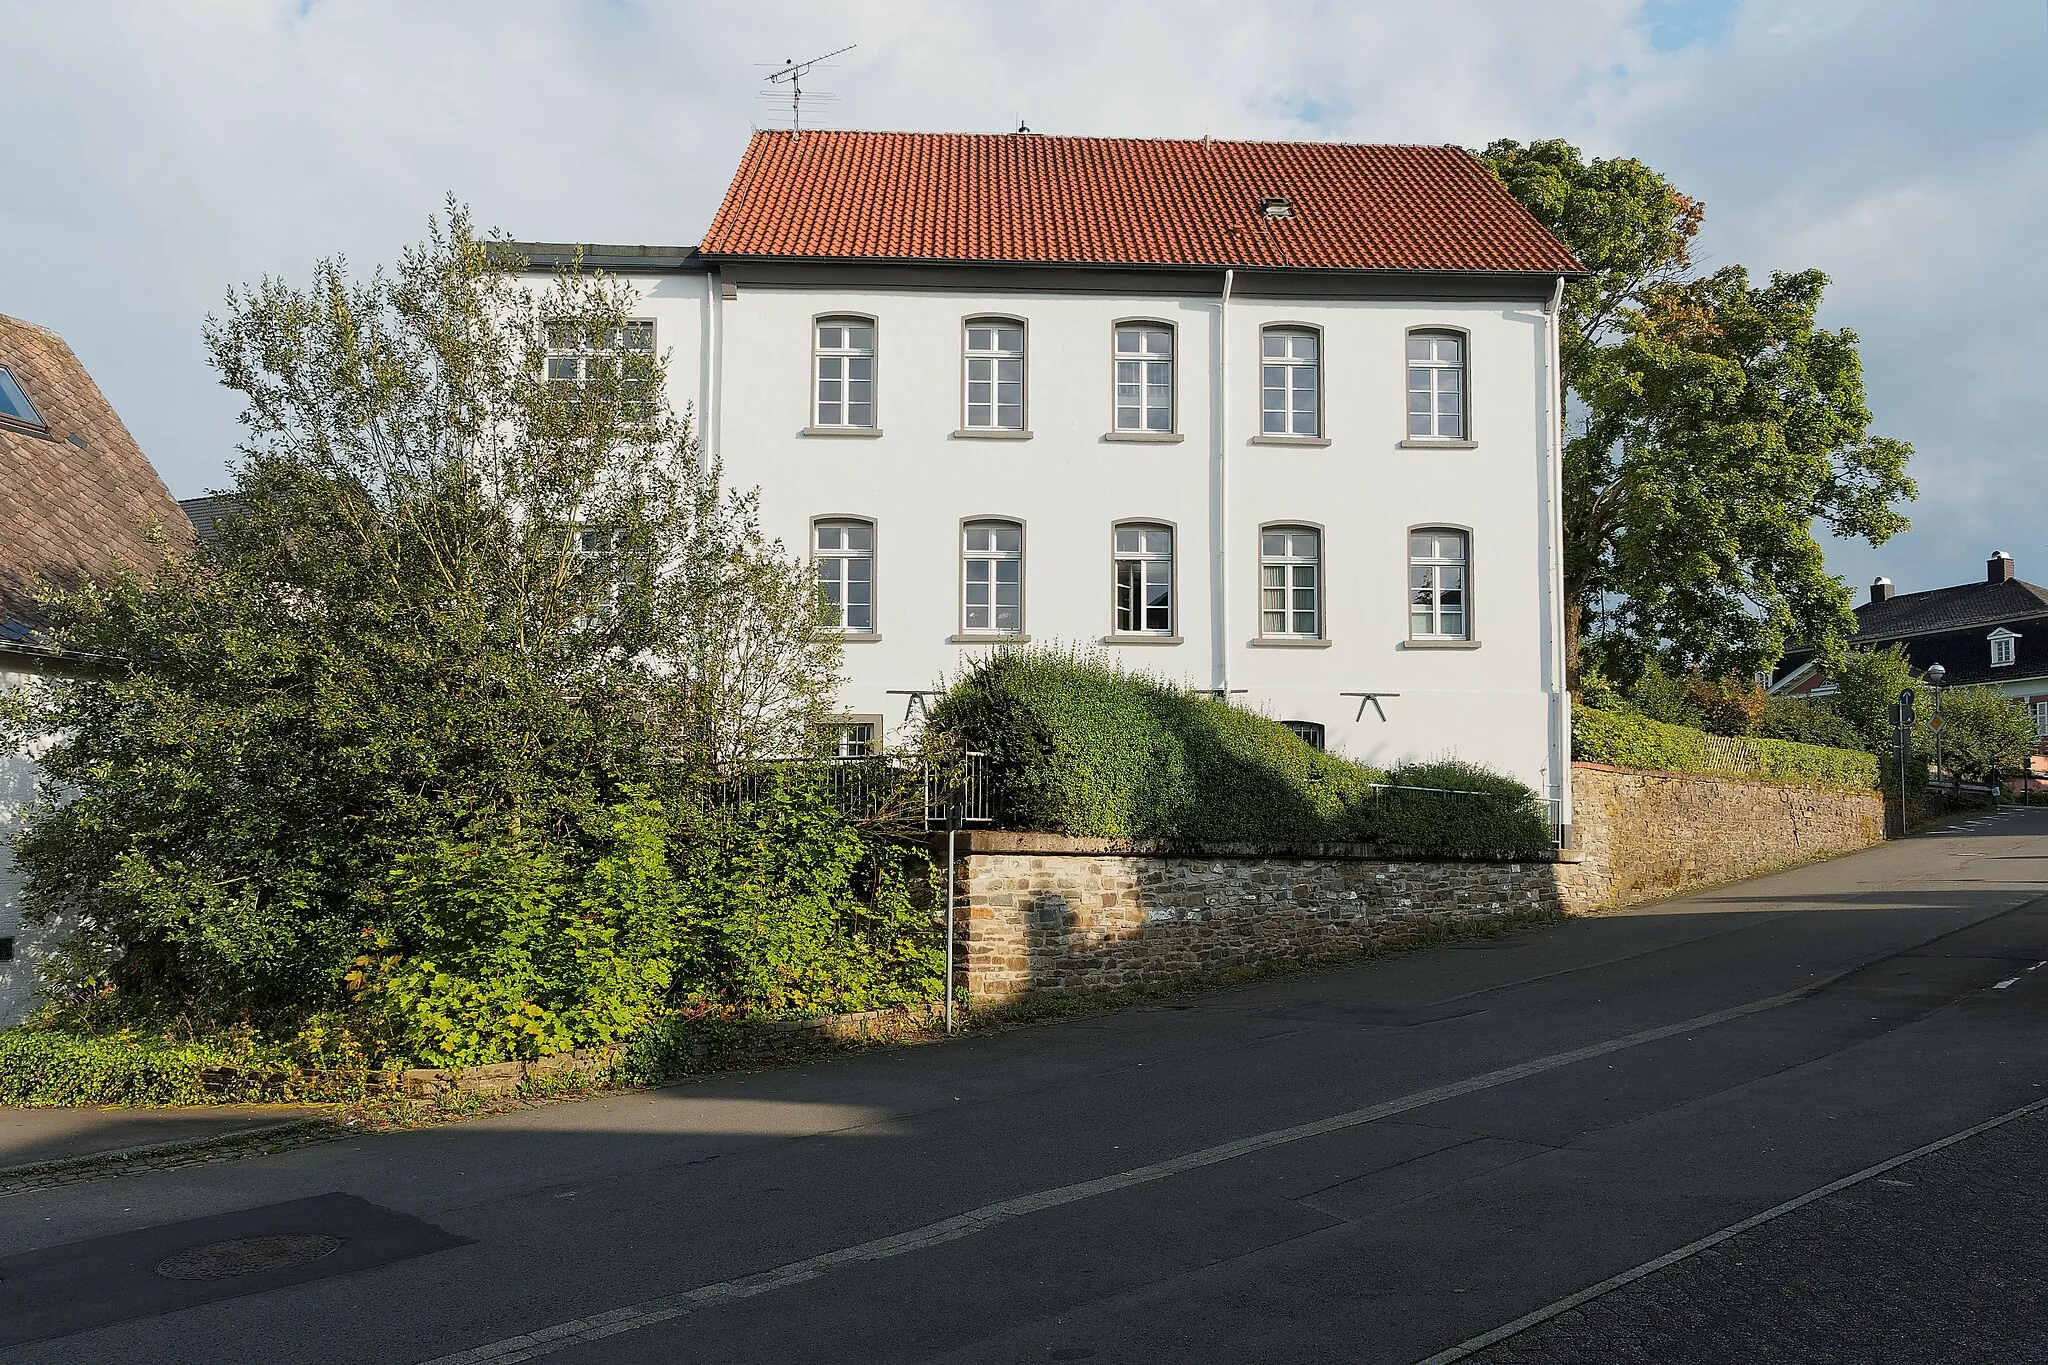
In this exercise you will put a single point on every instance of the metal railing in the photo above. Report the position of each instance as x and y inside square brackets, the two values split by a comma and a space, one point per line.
[876, 788]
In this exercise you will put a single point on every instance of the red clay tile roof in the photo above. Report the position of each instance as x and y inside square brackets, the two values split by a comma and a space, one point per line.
[77, 495]
[1028, 198]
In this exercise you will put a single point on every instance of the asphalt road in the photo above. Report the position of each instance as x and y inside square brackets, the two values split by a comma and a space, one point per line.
[1371, 1164]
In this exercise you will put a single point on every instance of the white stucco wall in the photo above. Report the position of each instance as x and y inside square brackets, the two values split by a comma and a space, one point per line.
[18, 778]
[919, 479]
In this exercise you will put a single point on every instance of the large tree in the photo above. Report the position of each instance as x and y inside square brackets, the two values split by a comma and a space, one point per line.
[1710, 427]
[483, 614]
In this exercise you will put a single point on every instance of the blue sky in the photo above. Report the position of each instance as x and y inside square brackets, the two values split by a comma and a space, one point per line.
[159, 154]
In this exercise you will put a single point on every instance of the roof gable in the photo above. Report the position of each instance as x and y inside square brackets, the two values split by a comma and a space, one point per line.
[1023, 198]
[80, 492]
[1961, 607]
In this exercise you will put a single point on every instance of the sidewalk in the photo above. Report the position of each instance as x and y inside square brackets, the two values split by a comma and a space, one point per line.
[31, 1137]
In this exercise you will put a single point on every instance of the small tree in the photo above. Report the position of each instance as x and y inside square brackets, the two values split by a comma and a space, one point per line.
[415, 727]
[1984, 733]
[1867, 682]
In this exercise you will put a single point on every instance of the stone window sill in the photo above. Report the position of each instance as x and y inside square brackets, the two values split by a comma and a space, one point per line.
[1150, 438]
[860, 433]
[1142, 640]
[1313, 441]
[1276, 642]
[857, 638]
[989, 639]
[989, 434]
[1440, 644]
[1439, 445]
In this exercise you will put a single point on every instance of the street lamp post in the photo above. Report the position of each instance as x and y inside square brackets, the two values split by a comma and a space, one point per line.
[1935, 676]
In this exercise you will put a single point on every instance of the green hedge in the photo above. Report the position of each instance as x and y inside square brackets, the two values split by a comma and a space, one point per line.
[39, 1068]
[1078, 747]
[1628, 741]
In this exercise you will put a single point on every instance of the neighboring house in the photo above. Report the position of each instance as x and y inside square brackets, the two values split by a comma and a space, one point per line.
[1994, 631]
[1272, 420]
[79, 497]
[205, 513]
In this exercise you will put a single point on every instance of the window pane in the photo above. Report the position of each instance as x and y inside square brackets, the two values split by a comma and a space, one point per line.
[1305, 544]
[860, 538]
[860, 338]
[1451, 427]
[1159, 541]
[1451, 547]
[830, 537]
[1128, 341]
[1009, 539]
[1010, 417]
[1159, 419]
[830, 338]
[1447, 349]
[1127, 419]
[1275, 346]
[1009, 338]
[1126, 539]
[1273, 544]
[1159, 343]
[1304, 347]
[1128, 373]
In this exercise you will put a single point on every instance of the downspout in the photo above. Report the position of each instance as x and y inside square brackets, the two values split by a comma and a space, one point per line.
[1560, 700]
[714, 358]
[1220, 576]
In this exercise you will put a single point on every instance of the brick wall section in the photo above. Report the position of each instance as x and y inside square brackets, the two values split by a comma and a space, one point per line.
[1047, 915]
[1642, 836]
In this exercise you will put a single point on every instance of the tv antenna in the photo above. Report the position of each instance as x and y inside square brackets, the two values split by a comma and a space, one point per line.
[792, 75]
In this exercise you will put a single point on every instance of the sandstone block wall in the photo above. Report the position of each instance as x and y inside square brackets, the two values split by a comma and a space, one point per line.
[1642, 836]
[1054, 916]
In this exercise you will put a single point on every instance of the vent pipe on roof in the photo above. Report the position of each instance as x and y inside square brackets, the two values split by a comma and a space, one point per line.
[1998, 568]
[1881, 590]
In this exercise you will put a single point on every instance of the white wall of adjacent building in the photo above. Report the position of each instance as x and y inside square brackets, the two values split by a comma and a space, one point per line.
[745, 362]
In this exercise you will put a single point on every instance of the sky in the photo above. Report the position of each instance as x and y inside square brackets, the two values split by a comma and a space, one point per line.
[159, 154]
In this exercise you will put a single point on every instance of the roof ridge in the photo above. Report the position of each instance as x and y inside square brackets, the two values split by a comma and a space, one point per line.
[1205, 140]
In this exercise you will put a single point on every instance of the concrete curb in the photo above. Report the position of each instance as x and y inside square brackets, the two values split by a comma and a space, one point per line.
[154, 1149]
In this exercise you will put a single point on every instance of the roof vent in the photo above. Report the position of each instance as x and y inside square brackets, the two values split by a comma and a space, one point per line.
[1273, 206]
[1998, 568]
[1881, 590]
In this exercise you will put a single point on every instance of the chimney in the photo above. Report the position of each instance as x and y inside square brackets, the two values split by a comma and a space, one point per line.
[1998, 568]
[1881, 590]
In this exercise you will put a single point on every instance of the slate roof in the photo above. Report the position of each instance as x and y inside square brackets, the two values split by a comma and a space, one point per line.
[1023, 198]
[78, 494]
[1943, 609]
[205, 513]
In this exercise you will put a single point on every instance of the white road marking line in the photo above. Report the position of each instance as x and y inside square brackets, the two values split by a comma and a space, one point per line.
[1565, 1305]
[2009, 981]
[546, 1340]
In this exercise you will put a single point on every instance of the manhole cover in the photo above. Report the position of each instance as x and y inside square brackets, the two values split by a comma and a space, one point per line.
[244, 1256]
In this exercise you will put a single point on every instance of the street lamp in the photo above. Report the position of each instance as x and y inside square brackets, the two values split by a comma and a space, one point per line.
[1935, 676]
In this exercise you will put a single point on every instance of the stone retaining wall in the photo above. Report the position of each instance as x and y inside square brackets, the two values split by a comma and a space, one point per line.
[1042, 914]
[1643, 836]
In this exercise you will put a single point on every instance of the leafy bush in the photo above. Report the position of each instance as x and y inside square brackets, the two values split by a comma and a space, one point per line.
[1638, 742]
[1079, 747]
[1803, 720]
[40, 1067]
[794, 911]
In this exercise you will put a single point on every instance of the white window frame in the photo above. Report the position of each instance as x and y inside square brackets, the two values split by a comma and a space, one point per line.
[994, 356]
[1434, 567]
[572, 354]
[846, 356]
[2040, 710]
[2004, 647]
[1289, 562]
[1145, 363]
[1290, 386]
[846, 743]
[1435, 371]
[840, 584]
[1310, 732]
[993, 558]
[1145, 561]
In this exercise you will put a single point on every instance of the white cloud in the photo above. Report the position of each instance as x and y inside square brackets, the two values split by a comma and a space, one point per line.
[162, 153]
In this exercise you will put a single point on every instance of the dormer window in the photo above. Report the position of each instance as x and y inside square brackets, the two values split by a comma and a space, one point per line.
[14, 404]
[2002, 641]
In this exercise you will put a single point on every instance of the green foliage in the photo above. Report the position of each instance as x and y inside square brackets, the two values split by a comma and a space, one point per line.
[1985, 734]
[39, 1067]
[1629, 741]
[1713, 426]
[1803, 720]
[509, 949]
[1079, 747]
[795, 912]
[420, 703]
[1659, 696]
[1867, 682]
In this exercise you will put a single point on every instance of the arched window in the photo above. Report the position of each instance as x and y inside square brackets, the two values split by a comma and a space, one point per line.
[1290, 382]
[843, 364]
[1144, 377]
[1144, 578]
[1290, 582]
[843, 552]
[994, 375]
[1439, 600]
[1436, 386]
[992, 578]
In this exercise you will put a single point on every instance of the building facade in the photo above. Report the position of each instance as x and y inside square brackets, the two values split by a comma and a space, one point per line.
[1275, 421]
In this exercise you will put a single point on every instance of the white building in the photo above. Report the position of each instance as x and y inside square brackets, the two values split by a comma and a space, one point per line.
[1277, 420]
